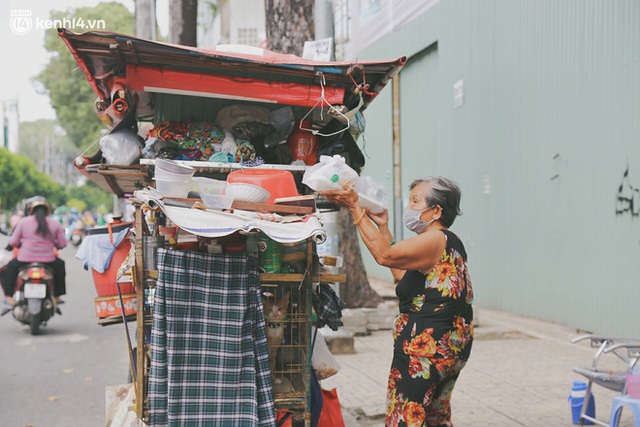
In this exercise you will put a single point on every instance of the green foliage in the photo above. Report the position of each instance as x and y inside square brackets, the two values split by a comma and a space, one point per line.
[80, 205]
[21, 179]
[71, 96]
[92, 196]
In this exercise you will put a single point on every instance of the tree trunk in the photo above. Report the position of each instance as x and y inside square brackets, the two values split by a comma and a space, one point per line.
[183, 22]
[357, 292]
[289, 24]
[143, 18]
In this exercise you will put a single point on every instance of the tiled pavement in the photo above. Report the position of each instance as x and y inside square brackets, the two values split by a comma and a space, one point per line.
[519, 374]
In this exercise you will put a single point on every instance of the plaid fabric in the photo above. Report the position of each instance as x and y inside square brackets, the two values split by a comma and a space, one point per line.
[328, 307]
[209, 360]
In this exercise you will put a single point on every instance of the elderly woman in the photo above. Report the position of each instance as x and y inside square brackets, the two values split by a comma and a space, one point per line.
[433, 331]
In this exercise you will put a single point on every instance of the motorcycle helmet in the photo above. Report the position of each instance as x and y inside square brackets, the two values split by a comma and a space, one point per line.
[34, 202]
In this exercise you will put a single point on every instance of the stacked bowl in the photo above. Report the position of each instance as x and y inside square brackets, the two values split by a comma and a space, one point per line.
[172, 178]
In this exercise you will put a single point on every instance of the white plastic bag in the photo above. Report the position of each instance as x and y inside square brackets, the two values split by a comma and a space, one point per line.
[372, 196]
[329, 174]
[322, 360]
[121, 148]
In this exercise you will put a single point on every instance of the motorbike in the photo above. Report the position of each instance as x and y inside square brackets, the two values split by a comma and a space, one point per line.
[77, 236]
[33, 295]
[76, 232]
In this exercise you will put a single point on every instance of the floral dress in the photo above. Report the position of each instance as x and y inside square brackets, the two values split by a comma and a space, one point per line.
[432, 340]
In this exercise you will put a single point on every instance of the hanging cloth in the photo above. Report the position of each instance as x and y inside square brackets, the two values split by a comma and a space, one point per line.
[209, 359]
[328, 307]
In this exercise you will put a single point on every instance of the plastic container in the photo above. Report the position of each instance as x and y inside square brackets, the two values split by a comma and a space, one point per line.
[209, 185]
[244, 192]
[371, 195]
[269, 254]
[110, 306]
[576, 399]
[160, 174]
[329, 174]
[303, 144]
[105, 283]
[633, 385]
[173, 167]
[279, 183]
[216, 201]
[173, 188]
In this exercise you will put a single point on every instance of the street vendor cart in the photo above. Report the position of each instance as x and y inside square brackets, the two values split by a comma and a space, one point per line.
[207, 277]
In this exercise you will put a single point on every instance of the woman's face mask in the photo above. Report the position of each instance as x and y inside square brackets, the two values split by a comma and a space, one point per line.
[412, 221]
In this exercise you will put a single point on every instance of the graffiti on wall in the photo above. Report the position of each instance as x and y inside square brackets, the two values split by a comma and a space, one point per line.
[628, 199]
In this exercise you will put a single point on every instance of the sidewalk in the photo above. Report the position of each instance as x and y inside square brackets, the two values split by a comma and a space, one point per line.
[519, 374]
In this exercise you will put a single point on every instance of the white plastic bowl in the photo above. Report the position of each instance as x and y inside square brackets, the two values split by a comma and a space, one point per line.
[173, 167]
[173, 188]
[166, 175]
[169, 170]
[209, 185]
[216, 201]
[243, 192]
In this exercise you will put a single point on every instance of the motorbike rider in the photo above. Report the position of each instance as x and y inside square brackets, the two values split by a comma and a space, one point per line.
[36, 236]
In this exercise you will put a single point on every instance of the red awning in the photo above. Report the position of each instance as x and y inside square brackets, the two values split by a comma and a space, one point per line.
[239, 72]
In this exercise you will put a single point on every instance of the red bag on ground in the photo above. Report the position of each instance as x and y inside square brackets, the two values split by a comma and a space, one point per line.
[331, 415]
[283, 418]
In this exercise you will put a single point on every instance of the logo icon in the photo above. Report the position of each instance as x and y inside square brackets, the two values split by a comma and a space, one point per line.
[20, 22]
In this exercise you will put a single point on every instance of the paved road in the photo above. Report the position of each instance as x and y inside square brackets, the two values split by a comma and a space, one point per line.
[58, 378]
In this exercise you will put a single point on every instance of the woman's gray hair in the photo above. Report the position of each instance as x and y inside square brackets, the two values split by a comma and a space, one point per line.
[444, 193]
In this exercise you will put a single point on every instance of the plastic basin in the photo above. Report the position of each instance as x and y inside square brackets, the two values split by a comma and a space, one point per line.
[209, 185]
[173, 188]
[279, 183]
[216, 201]
[244, 192]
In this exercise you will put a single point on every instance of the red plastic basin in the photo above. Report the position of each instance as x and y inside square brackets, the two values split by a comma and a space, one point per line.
[279, 183]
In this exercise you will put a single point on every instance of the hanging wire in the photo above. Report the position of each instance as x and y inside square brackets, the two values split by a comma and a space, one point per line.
[364, 86]
[91, 145]
[322, 102]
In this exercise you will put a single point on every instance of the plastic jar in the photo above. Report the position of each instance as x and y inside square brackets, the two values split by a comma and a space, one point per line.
[303, 143]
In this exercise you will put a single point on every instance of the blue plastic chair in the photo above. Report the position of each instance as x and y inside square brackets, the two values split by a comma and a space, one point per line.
[616, 408]
[626, 349]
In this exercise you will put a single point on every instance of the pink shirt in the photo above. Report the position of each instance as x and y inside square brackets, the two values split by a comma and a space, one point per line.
[34, 247]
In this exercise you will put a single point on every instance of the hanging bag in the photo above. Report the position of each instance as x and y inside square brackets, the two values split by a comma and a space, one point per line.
[331, 415]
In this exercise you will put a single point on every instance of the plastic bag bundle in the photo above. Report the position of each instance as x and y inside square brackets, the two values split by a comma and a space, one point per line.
[372, 196]
[121, 148]
[323, 362]
[329, 174]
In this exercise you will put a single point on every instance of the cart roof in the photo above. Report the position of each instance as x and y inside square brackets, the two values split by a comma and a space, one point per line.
[103, 56]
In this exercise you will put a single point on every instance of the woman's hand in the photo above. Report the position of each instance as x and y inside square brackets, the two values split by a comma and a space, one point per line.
[346, 197]
[381, 219]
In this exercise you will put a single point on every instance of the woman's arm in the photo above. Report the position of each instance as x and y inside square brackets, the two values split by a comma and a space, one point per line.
[16, 236]
[382, 221]
[417, 253]
[61, 241]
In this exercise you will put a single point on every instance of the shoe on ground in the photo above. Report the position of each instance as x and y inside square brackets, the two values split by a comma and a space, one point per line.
[58, 300]
[7, 305]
